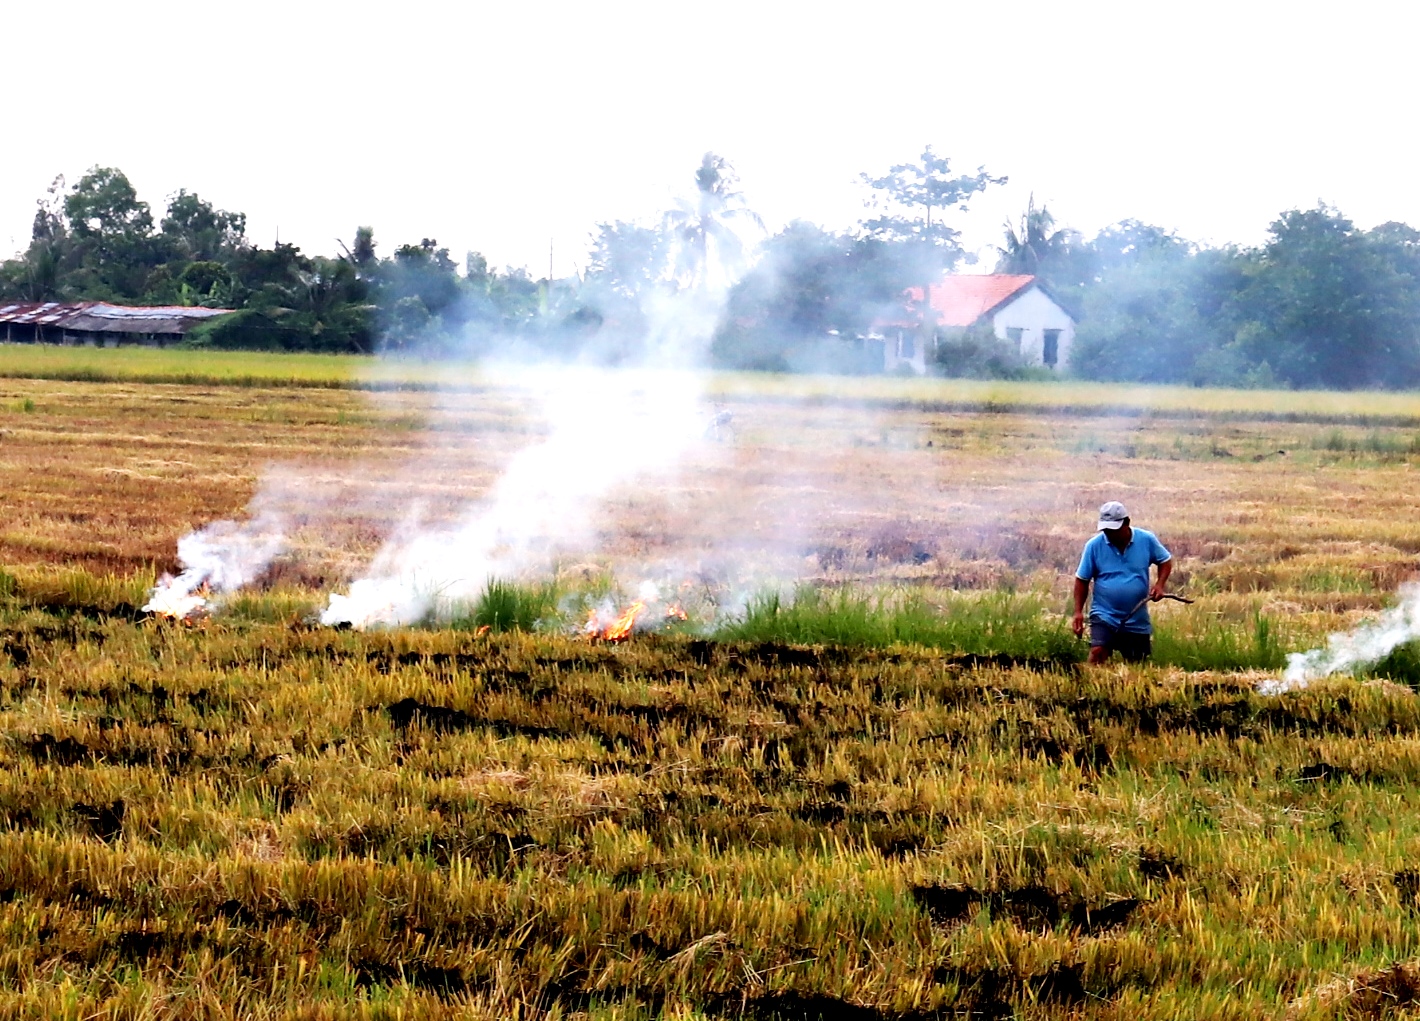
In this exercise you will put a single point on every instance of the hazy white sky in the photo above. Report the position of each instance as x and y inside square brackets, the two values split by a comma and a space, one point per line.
[499, 126]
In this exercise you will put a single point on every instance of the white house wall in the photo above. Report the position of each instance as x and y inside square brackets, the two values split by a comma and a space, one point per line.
[1033, 312]
[904, 348]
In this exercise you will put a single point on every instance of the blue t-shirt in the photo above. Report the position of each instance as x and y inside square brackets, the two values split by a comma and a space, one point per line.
[1121, 579]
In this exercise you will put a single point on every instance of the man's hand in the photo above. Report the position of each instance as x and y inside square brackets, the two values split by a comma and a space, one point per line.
[1082, 589]
[1160, 586]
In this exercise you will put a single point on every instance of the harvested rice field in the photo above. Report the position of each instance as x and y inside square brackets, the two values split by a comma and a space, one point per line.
[901, 797]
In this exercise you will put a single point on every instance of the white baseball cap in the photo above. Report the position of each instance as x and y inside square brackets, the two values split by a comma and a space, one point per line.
[1112, 515]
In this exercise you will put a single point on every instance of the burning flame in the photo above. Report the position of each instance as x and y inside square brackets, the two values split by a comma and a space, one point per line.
[639, 616]
[621, 628]
[176, 601]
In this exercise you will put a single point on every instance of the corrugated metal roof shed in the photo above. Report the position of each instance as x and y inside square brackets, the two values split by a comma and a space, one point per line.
[101, 317]
[47, 313]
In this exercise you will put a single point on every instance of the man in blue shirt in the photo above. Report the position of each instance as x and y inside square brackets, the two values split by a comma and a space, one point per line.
[1117, 560]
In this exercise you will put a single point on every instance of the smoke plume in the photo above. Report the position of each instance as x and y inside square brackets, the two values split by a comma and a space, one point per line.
[1346, 651]
[219, 559]
[605, 426]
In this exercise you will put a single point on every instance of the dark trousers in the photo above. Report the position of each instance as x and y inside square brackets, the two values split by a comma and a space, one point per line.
[1132, 645]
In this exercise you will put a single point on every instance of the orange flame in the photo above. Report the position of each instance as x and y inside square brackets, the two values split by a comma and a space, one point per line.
[184, 607]
[676, 612]
[621, 628]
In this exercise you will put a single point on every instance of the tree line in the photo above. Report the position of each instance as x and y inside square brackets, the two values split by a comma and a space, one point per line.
[1320, 303]
[97, 241]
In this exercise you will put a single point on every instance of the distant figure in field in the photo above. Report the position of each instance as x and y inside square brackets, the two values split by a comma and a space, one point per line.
[720, 427]
[1117, 560]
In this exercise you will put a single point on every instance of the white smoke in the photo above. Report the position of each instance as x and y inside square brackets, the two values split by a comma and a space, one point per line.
[606, 426]
[218, 559]
[1348, 650]
[625, 405]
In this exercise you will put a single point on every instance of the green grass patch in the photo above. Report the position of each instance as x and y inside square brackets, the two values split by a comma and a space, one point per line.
[1401, 665]
[1078, 396]
[1023, 627]
[337, 371]
[275, 606]
[1373, 444]
[179, 365]
[996, 623]
[508, 606]
[221, 368]
[1221, 646]
[1334, 580]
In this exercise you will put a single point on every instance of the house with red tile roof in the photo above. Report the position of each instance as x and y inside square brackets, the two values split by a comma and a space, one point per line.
[1017, 308]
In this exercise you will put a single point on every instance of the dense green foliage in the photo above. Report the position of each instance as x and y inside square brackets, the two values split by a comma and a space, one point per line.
[97, 241]
[1320, 304]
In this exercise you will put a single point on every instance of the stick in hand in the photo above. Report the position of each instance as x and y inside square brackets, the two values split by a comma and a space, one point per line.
[1166, 595]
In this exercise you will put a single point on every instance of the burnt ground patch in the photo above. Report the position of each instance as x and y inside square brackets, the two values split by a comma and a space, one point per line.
[240, 913]
[1159, 865]
[742, 654]
[1030, 906]
[20, 817]
[441, 981]
[1407, 884]
[408, 711]
[136, 705]
[1327, 773]
[1379, 993]
[18, 652]
[992, 994]
[63, 751]
[895, 546]
[495, 849]
[797, 1006]
[142, 943]
[657, 715]
[1059, 663]
[1207, 713]
[102, 821]
[822, 812]
[386, 660]
[1088, 755]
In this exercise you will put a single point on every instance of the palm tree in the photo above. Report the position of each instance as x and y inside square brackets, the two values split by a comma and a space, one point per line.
[705, 227]
[1033, 243]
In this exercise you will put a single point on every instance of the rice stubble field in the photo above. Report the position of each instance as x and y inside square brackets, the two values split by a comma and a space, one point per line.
[260, 817]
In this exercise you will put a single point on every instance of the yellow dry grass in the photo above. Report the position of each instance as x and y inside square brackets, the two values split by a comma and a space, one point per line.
[262, 819]
[1312, 523]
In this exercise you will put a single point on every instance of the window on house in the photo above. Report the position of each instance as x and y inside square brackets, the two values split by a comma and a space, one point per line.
[1050, 353]
[905, 343]
[1014, 334]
